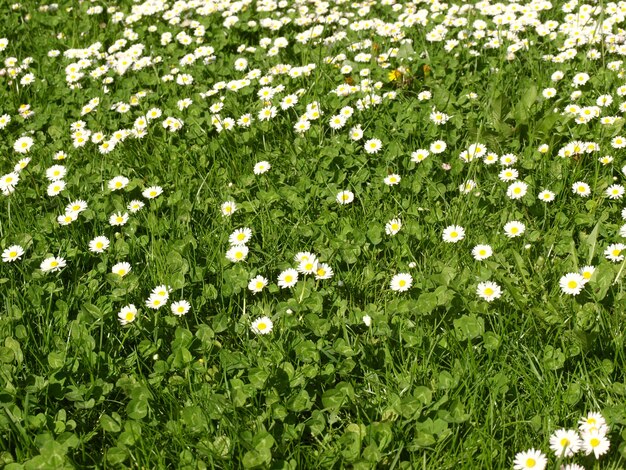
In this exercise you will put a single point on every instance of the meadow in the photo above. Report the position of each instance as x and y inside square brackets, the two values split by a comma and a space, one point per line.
[305, 234]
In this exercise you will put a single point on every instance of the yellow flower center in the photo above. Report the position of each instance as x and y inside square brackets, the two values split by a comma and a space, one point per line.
[514, 230]
[572, 284]
[241, 237]
[454, 234]
[130, 316]
[239, 255]
[402, 283]
[530, 462]
[54, 264]
[594, 442]
[488, 291]
[616, 252]
[564, 442]
[13, 254]
[482, 252]
[261, 326]
[121, 272]
[288, 279]
[99, 245]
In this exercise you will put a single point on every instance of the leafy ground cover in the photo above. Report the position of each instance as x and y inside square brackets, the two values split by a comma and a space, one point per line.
[304, 234]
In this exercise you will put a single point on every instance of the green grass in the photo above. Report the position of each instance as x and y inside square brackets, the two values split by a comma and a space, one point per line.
[439, 379]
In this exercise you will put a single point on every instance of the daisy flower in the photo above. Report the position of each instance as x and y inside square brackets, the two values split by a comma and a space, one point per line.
[615, 191]
[127, 314]
[586, 272]
[530, 460]
[438, 146]
[467, 187]
[162, 291]
[392, 180]
[419, 155]
[401, 282]
[152, 192]
[614, 252]
[67, 218]
[155, 302]
[76, 207]
[345, 197]
[517, 190]
[393, 226]
[508, 174]
[565, 443]
[514, 229]
[23, 144]
[546, 196]
[303, 256]
[581, 188]
[508, 159]
[52, 264]
[490, 159]
[228, 208]
[119, 182]
[572, 283]
[180, 308]
[12, 253]
[488, 291]
[56, 173]
[121, 269]
[572, 466]
[135, 206]
[308, 266]
[323, 271]
[262, 326]
[481, 252]
[261, 167]
[593, 420]
[257, 284]
[372, 146]
[55, 188]
[240, 236]
[453, 234]
[288, 278]
[356, 133]
[118, 219]
[9, 181]
[237, 253]
[595, 442]
[99, 244]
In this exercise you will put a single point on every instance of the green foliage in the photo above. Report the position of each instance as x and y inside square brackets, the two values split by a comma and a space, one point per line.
[343, 368]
